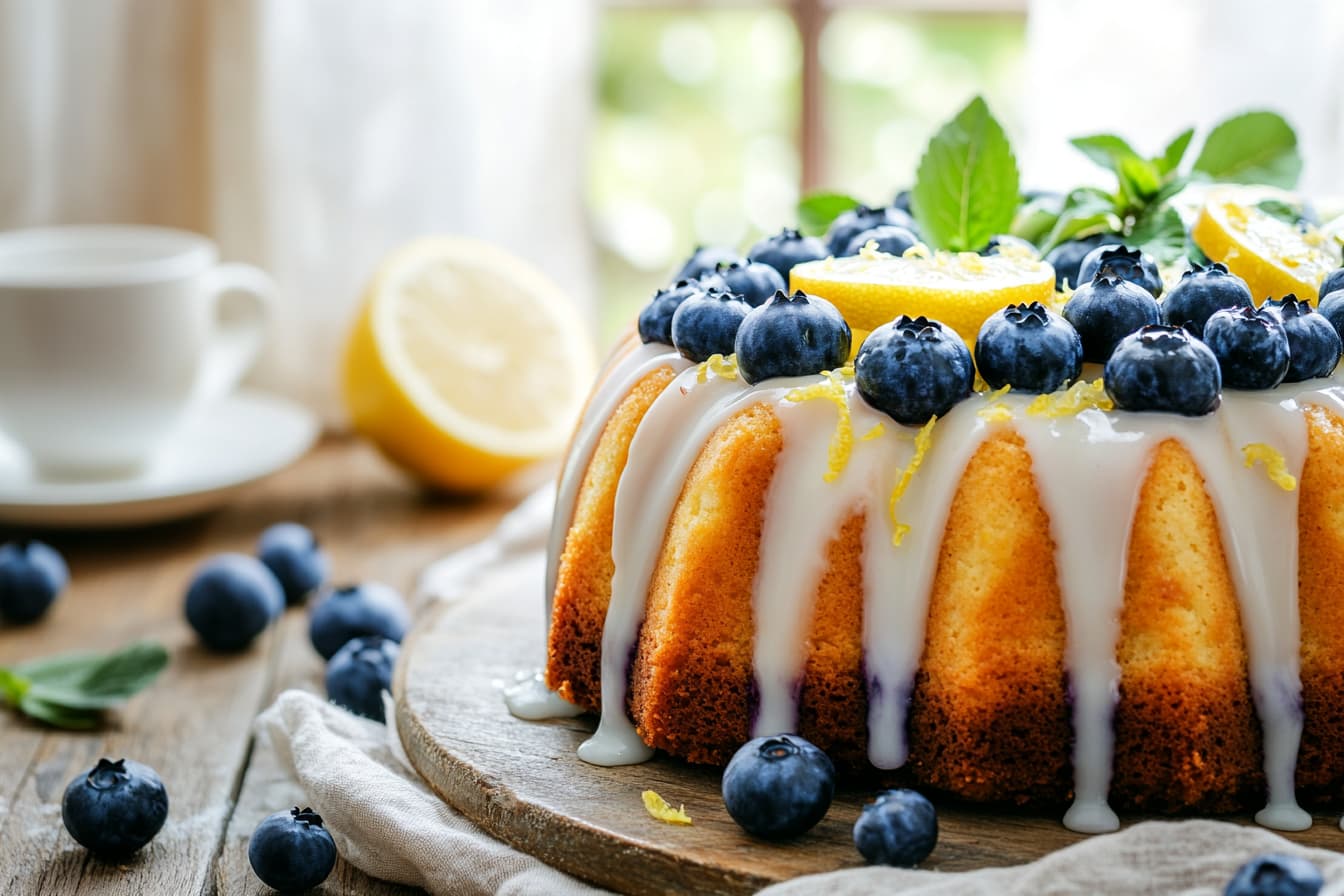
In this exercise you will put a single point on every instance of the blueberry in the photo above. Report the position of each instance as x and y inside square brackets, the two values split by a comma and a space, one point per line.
[291, 851]
[753, 281]
[850, 224]
[295, 558]
[1251, 346]
[1313, 344]
[32, 575]
[913, 369]
[231, 600]
[902, 202]
[1162, 368]
[1007, 240]
[1202, 291]
[115, 808]
[1333, 282]
[1028, 347]
[890, 238]
[655, 320]
[356, 611]
[1275, 874]
[359, 673]
[1128, 264]
[899, 828]
[793, 335]
[706, 324]
[706, 260]
[1107, 310]
[1066, 258]
[778, 787]
[1332, 309]
[786, 249]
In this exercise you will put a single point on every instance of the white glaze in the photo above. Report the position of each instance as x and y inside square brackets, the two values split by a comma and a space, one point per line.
[1091, 468]
[529, 698]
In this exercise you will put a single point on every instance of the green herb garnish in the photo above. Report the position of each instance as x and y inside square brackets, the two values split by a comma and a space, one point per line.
[72, 690]
[817, 211]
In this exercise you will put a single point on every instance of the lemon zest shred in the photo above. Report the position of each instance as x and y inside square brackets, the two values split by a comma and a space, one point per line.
[717, 364]
[1276, 468]
[660, 809]
[832, 389]
[923, 440]
[870, 252]
[995, 411]
[1079, 397]
[873, 433]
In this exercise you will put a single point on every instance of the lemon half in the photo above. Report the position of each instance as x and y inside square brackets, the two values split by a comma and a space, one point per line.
[960, 289]
[1275, 258]
[465, 363]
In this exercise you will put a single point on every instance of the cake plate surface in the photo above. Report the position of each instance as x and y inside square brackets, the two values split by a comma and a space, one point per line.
[523, 783]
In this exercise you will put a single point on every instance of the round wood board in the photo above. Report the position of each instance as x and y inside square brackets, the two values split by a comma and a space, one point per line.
[522, 782]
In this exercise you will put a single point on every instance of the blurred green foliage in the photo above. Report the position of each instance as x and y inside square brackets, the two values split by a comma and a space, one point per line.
[696, 139]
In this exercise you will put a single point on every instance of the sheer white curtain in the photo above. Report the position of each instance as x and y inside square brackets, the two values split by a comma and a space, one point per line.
[307, 136]
[1147, 69]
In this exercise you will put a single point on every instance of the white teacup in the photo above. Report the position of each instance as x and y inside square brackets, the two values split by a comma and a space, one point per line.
[110, 336]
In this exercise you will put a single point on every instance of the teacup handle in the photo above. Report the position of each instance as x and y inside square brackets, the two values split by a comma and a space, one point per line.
[237, 329]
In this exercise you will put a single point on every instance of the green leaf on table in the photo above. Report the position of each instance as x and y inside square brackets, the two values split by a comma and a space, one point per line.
[1107, 150]
[69, 690]
[966, 188]
[1171, 157]
[817, 211]
[1160, 232]
[1252, 148]
[59, 716]
[12, 686]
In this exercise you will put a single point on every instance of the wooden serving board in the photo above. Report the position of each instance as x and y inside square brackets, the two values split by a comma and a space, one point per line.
[522, 782]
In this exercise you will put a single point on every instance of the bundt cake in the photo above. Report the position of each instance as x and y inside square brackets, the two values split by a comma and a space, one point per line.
[1117, 587]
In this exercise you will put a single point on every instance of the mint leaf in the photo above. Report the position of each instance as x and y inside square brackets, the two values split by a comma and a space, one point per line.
[817, 211]
[68, 690]
[966, 188]
[12, 686]
[1160, 232]
[58, 716]
[1034, 219]
[1277, 208]
[1252, 148]
[1139, 180]
[1087, 210]
[1171, 157]
[1107, 150]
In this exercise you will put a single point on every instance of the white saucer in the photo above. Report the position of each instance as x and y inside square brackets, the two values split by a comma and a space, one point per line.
[244, 437]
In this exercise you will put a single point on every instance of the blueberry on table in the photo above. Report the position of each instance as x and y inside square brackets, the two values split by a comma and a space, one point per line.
[1251, 346]
[1066, 258]
[707, 324]
[786, 249]
[913, 369]
[232, 599]
[778, 787]
[1106, 310]
[292, 554]
[359, 673]
[1133, 265]
[357, 611]
[1162, 368]
[899, 828]
[793, 335]
[1028, 347]
[291, 851]
[892, 239]
[1333, 282]
[706, 260]
[655, 319]
[1275, 874]
[753, 281]
[1314, 345]
[115, 808]
[32, 575]
[850, 224]
[1200, 292]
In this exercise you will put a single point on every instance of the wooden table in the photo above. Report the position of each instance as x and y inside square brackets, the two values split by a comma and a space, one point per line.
[194, 724]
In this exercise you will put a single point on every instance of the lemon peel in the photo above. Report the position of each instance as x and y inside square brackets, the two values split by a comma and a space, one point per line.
[832, 389]
[1079, 397]
[1274, 257]
[717, 364]
[660, 809]
[875, 432]
[1276, 468]
[923, 441]
[995, 411]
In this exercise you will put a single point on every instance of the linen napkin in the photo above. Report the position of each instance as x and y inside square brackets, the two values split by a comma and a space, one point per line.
[389, 824]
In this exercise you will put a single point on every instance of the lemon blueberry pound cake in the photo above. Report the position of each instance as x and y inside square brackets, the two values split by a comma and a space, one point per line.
[1073, 547]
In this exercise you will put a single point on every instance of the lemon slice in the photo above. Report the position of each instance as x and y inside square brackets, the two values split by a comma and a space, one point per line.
[1275, 258]
[465, 363]
[960, 290]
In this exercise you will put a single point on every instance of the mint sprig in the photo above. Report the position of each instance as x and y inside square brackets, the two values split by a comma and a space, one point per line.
[966, 187]
[72, 690]
[1252, 148]
[817, 211]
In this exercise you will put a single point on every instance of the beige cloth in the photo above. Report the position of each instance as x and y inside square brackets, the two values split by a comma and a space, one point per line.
[389, 824]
